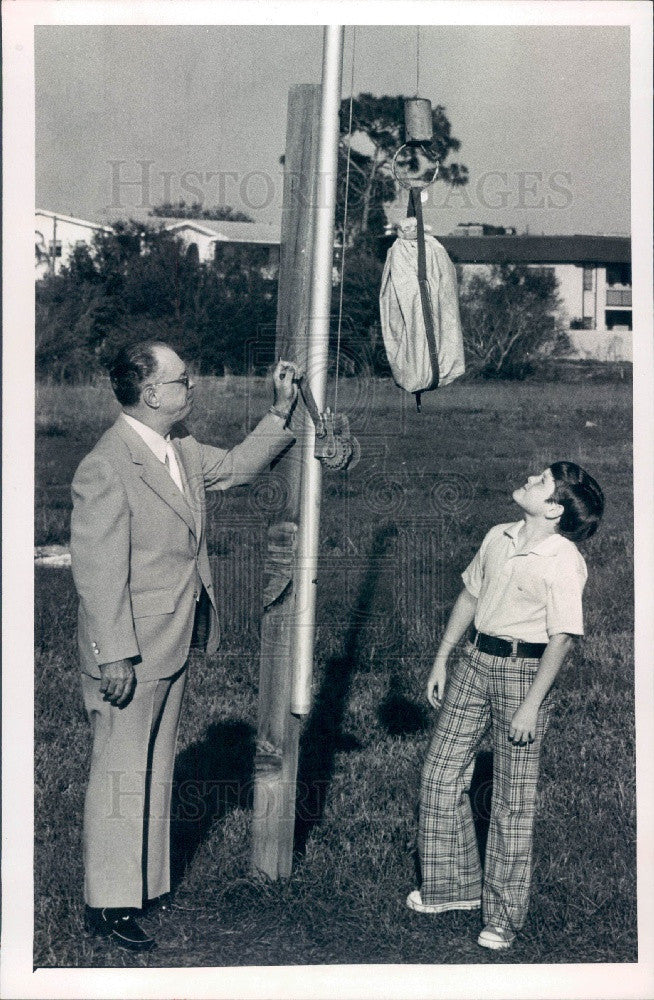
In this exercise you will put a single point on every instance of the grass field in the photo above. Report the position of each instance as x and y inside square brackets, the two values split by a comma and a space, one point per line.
[396, 532]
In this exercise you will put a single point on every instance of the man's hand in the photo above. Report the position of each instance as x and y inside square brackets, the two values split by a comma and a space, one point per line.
[523, 725]
[436, 683]
[118, 681]
[285, 376]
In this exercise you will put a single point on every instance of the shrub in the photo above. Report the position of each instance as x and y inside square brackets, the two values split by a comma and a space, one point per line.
[140, 283]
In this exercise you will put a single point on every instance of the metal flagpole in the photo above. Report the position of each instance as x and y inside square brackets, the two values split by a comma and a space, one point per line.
[317, 357]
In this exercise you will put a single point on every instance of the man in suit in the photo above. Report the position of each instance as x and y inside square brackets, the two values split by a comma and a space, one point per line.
[142, 573]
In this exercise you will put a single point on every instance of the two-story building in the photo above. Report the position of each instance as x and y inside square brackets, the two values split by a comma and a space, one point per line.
[593, 275]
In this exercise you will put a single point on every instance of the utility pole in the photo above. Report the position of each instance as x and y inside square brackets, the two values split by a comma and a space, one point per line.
[54, 244]
[317, 360]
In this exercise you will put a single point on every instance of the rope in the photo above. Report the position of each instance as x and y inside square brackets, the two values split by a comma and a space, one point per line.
[347, 190]
[417, 59]
[415, 209]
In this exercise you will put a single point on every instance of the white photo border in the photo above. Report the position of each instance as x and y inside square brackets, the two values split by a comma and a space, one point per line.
[18, 977]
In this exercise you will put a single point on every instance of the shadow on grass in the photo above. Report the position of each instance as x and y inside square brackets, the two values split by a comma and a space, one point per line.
[215, 774]
[212, 777]
[399, 715]
[323, 738]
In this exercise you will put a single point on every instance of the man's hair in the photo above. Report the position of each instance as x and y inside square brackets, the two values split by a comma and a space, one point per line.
[581, 498]
[130, 368]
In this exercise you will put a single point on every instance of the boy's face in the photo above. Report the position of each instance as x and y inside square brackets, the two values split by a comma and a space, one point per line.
[535, 496]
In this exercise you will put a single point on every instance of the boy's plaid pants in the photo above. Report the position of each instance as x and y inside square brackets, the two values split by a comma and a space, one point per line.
[481, 690]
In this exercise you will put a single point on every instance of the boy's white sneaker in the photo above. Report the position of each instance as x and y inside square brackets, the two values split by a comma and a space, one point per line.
[414, 902]
[495, 938]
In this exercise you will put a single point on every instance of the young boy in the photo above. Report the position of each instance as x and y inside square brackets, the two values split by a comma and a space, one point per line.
[523, 589]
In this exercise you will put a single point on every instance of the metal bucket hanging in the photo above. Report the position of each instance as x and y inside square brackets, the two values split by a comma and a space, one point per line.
[417, 120]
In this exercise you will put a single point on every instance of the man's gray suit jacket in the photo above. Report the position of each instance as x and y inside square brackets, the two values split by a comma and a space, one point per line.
[138, 545]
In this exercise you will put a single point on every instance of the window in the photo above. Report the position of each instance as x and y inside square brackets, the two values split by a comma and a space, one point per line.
[618, 274]
[618, 319]
[618, 297]
[54, 248]
[588, 279]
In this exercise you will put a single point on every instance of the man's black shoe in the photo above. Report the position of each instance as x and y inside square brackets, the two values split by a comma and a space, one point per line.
[120, 925]
[160, 904]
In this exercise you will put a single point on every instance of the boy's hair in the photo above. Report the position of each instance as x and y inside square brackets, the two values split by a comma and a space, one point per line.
[581, 498]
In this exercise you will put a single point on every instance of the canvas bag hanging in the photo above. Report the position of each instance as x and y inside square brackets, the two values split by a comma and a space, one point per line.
[420, 320]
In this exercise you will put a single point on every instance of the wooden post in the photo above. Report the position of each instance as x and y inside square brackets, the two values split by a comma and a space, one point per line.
[278, 731]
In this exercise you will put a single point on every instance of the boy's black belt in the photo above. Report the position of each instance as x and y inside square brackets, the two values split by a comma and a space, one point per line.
[504, 647]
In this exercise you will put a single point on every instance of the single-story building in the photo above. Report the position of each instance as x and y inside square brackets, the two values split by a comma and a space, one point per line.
[56, 236]
[210, 235]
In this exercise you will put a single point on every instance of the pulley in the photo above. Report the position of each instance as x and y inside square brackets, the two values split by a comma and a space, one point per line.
[335, 447]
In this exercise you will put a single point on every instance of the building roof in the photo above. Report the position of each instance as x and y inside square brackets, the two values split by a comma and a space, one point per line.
[225, 232]
[70, 218]
[508, 249]
[260, 233]
[535, 249]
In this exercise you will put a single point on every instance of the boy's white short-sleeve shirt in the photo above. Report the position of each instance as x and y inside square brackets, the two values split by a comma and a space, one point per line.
[530, 594]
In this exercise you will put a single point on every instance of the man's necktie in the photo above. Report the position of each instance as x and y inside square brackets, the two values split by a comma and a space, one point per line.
[173, 467]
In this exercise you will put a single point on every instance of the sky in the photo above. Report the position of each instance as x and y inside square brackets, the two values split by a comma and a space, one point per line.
[127, 117]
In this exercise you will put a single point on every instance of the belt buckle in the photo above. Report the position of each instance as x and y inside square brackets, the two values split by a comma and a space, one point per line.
[514, 649]
[475, 641]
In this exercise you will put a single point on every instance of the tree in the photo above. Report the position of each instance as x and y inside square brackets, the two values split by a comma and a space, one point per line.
[180, 210]
[139, 282]
[42, 256]
[380, 121]
[73, 320]
[510, 318]
[361, 331]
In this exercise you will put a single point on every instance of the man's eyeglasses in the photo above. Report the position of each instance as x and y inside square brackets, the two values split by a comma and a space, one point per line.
[182, 380]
